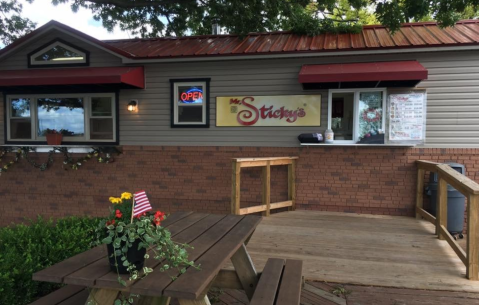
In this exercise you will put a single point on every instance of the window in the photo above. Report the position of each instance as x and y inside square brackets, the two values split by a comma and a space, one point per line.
[78, 117]
[190, 103]
[357, 115]
[58, 53]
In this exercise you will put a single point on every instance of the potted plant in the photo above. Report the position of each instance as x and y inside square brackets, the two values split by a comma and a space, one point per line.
[130, 240]
[54, 137]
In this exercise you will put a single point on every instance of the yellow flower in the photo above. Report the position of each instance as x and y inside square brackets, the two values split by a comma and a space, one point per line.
[126, 196]
[115, 200]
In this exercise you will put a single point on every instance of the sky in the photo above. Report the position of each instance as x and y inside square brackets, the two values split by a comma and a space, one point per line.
[42, 11]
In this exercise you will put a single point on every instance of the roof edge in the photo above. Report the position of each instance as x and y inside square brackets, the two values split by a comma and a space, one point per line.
[53, 24]
[370, 26]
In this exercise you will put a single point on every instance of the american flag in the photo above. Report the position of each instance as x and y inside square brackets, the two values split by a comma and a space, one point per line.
[142, 204]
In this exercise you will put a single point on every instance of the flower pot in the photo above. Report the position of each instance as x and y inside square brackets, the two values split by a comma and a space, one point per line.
[134, 256]
[54, 139]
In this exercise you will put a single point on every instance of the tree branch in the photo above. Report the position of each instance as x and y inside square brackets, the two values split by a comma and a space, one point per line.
[126, 4]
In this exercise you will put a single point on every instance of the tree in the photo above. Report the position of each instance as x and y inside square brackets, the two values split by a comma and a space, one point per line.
[167, 17]
[12, 25]
[152, 18]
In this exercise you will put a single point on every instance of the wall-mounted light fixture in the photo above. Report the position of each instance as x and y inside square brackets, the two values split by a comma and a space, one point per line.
[133, 106]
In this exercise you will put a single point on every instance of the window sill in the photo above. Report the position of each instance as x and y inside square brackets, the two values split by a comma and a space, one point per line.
[75, 149]
[358, 145]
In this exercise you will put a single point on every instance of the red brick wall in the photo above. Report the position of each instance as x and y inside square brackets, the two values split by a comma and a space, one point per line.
[349, 179]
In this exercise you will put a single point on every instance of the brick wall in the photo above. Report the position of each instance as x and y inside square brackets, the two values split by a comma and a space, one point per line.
[349, 179]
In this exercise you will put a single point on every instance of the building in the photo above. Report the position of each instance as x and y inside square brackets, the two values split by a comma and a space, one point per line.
[199, 101]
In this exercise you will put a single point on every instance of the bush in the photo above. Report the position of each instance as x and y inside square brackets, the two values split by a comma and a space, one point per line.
[26, 249]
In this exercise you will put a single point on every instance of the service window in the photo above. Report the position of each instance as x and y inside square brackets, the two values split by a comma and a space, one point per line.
[190, 103]
[78, 117]
[357, 116]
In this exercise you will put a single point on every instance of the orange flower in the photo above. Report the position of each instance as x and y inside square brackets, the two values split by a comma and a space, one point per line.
[159, 216]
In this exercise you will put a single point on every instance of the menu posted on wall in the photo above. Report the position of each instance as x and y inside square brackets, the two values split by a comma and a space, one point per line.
[407, 117]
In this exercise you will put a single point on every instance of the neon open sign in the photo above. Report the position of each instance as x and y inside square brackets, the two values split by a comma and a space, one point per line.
[192, 96]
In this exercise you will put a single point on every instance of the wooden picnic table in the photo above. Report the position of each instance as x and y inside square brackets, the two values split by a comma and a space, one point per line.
[215, 240]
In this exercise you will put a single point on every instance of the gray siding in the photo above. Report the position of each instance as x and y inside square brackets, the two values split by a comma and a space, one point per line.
[151, 126]
[453, 100]
[18, 59]
[453, 96]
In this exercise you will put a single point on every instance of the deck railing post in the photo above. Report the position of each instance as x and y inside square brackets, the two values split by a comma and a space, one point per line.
[419, 191]
[236, 185]
[267, 187]
[441, 204]
[292, 184]
[472, 267]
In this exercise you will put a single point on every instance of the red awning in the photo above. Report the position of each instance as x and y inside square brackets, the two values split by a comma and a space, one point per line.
[363, 72]
[128, 76]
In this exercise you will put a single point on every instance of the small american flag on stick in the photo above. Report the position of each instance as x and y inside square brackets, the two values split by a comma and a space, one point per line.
[141, 204]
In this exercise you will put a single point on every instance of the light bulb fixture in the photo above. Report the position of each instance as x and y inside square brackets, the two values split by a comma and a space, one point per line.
[133, 106]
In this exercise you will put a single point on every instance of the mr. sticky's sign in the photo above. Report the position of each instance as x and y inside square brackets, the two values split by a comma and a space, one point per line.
[284, 110]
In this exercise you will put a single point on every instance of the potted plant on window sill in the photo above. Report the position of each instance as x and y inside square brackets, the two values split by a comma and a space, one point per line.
[54, 137]
[130, 240]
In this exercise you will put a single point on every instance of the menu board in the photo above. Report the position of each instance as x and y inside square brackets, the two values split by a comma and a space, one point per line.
[407, 117]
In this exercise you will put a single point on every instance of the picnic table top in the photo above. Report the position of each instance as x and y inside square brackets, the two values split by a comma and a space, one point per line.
[214, 238]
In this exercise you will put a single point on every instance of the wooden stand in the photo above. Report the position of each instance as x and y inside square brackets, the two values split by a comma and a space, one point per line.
[266, 163]
[470, 189]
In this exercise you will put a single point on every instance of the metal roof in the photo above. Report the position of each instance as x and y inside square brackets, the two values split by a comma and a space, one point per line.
[376, 37]
[373, 37]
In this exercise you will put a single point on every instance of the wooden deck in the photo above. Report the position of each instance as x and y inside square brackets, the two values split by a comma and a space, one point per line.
[370, 250]
[318, 293]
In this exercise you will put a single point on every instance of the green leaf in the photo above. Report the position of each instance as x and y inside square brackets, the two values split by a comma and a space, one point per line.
[121, 281]
[106, 240]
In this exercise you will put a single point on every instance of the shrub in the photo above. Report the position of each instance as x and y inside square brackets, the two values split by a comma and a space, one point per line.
[26, 249]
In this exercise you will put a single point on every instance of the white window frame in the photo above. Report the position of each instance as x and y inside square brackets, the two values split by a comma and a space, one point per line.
[34, 62]
[355, 110]
[87, 111]
[204, 105]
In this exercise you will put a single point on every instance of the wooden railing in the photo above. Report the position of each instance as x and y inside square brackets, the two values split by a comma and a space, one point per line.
[470, 189]
[266, 164]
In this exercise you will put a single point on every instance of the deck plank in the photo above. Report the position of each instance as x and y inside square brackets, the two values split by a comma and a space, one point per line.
[366, 295]
[348, 248]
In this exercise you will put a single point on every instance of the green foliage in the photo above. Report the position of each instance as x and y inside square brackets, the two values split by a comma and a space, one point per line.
[12, 25]
[169, 17]
[153, 18]
[26, 249]
[123, 232]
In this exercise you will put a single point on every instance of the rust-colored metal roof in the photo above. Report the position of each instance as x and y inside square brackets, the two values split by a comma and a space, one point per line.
[375, 37]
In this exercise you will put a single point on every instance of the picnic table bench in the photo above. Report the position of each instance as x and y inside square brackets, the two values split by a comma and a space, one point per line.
[215, 240]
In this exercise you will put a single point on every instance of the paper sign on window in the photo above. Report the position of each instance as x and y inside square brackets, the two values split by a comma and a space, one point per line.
[407, 117]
